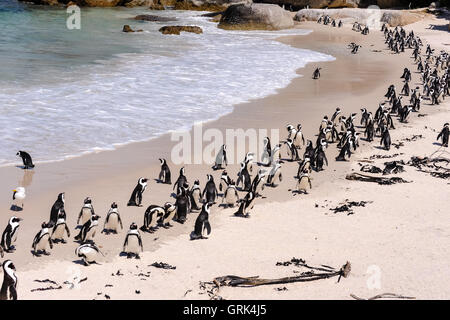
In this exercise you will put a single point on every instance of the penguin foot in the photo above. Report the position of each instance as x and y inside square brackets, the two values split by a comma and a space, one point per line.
[137, 257]
[46, 253]
[63, 241]
[129, 255]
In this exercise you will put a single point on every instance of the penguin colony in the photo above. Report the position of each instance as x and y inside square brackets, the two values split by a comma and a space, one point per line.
[338, 129]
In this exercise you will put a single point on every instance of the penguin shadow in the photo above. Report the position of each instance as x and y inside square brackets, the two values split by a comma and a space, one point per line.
[380, 148]
[260, 164]
[15, 208]
[81, 262]
[38, 253]
[173, 195]
[437, 144]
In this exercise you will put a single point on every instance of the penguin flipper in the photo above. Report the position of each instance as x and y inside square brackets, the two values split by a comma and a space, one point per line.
[12, 293]
[207, 227]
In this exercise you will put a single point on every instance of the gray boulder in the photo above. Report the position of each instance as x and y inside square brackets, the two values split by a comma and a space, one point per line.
[256, 16]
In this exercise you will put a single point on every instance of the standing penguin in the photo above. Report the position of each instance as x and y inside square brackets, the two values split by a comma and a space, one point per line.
[195, 196]
[86, 212]
[299, 139]
[259, 182]
[244, 176]
[88, 230]
[267, 152]
[133, 242]
[316, 73]
[42, 240]
[136, 196]
[112, 220]
[59, 204]
[88, 252]
[304, 182]
[320, 156]
[292, 150]
[444, 135]
[246, 205]
[9, 286]
[182, 204]
[276, 156]
[164, 174]
[182, 180]
[60, 228]
[386, 139]
[210, 190]
[275, 176]
[202, 223]
[224, 181]
[221, 158]
[170, 211]
[10, 234]
[231, 195]
[151, 217]
[26, 159]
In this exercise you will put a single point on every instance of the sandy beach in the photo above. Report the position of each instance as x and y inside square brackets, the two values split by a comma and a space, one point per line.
[400, 238]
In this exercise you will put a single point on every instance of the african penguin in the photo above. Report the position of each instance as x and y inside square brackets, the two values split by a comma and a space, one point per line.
[112, 220]
[304, 182]
[444, 134]
[59, 204]
[133, 242]
[182, 180]
[136, 195]
[164, 174]
[10, 234]
[275, 176]
[210, 190]
[182, 204]
[42, 241]
[88, 252]
[231, 196]
[9, 286]
[224, 181]
[202, 226]
[244, 177]
[267, 152]
[221, 158]
[170, 211]
[60, 228]
[195, 195]
[246, 204]
[88, 230]
[26, 159]
[86, 211]
[151, 217]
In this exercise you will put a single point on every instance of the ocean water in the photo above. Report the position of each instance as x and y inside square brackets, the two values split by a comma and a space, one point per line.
[64, 93]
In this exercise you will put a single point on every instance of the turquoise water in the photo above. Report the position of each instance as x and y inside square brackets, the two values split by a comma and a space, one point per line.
[64, 93]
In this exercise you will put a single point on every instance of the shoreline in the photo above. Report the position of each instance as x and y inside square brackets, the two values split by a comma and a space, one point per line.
[364, 81]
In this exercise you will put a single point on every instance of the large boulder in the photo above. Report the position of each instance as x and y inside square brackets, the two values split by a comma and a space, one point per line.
[370, 17]
[101, 3]
[256, 16]
[178, 29]
[317, 4]
[194, 5]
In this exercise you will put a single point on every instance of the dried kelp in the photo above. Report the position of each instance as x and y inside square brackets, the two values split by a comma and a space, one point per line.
[47, 281]
[393, 167]
[162, 265]
[371, 169]
[379, 156]
[46, 288]
[379, 180]
[346, 206]
[436, 167]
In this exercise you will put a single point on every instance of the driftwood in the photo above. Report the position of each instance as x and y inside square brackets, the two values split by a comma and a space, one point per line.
[379, 180]
[46, 288]
[382, 296]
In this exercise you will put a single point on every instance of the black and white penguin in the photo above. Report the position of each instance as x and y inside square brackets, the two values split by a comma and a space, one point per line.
[231, 196]
[88, 230]
[221, 158]
[195, 196]
[319, 157]
[26, 159]
[246, 205]
[170, 210]
[57, 207]
[267, 152]
[181, 181]
[86, 212]
[182, 203]
[248, 160]
[276, 155]
[164, 174]
[132, 245]
[316, 73]
[10, 234]
[9, 286]
[304, 165]
[304, 182]
[259, 183]
[292, 150]
[275, 176]
[386, 139]
[210, 190]
[136, 195]
[224, 181]
[202, 226]
[151, 217]
[89, 252]
[299, 139]
[444, 135]
[60, 228]
[42, 241]
[244, 177]
[112, 220]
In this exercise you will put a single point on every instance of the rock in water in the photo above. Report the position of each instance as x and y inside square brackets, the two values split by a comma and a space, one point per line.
[149, 17]
[127, 28]
[256, 16]
[178, 29]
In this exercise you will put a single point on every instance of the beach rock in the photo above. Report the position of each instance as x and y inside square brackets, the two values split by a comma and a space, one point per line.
[258, 16]
[127, 28]
[317, 4]
[137, 3]
[371, 17]
[393, 3]
[178, 29]
[149, 17]
[101, 3]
